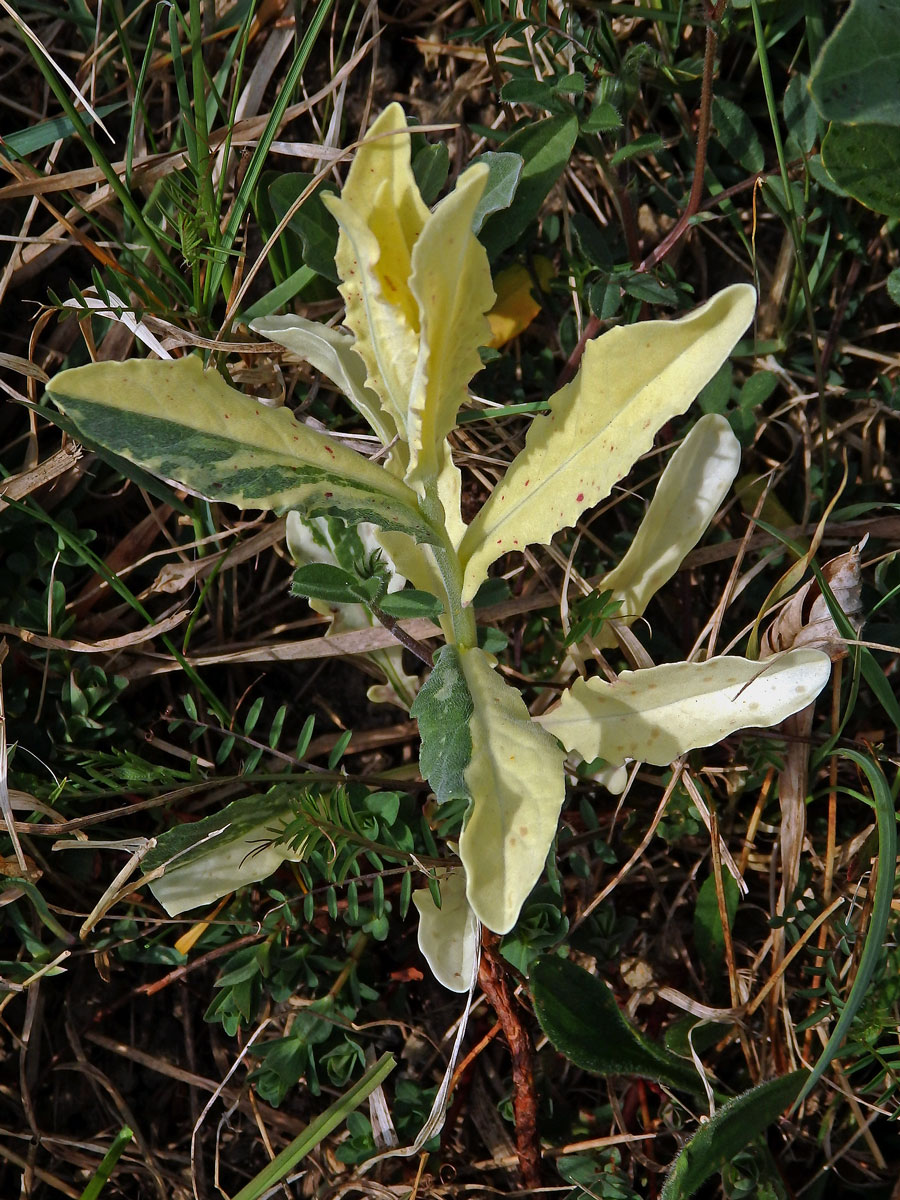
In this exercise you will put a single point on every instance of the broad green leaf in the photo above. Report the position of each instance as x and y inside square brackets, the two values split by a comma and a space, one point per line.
[443, 709]
[657, 714]
[579, 1014]
[207, 859]
[332, 584]
[448, 936]
[311, 222]
[725, 1135]
[504, 173]
[516, 780]
[736, 133]
[332, 353]
[545, 147]
[688, 495]
[381, 216]
[631, 381]
[856, 78]
[864, 161]
[187, 425]
[451, 282]
[431, 166]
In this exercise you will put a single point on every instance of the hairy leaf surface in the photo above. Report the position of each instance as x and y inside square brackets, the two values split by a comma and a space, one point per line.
[443, 709]
[631, 381]
[448, 936]
[517, 783]
[688, 495]
[187, 425]
[658, 713]
[451, 282]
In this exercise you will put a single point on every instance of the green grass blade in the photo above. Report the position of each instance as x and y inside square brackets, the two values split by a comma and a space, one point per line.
[881, 912]
[250, 180]
[318, 1129]
[110, 1158]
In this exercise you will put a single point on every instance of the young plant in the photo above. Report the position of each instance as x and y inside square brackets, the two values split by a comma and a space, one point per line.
[417, 285]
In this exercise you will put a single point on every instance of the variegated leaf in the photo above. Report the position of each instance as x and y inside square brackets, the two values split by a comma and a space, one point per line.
[448, 936]
[516, 779]
[188, 426]
[631, 381]
[451, 281]
[688, 496]
[657, 714]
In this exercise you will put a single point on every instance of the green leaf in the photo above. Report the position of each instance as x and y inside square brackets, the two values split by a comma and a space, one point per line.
[864, 160]
[504, 173]
[207, 859]
[800, 116]
[187, 425]
[430, 167]
[646, 143]
[631, 381]
[312, 221]
[737, 134]
[657, 714]
[893, 285]
[732, 1128]
[709, 937]
[44, 133]
[516, 780]
[443, 709]
[448, 936]
[579, 1014]
[411, 603]
[545, 147]
[322, 581]
[856, 79]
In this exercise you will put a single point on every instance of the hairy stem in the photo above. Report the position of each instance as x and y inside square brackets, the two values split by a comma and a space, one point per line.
[494, 982]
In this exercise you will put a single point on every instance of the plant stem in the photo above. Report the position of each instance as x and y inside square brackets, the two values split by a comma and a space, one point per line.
[492, 978]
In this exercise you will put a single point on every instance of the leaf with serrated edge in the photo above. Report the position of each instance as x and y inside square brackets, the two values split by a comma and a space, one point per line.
[451, 281]
[688, 496]
[221, 853]
[631, 381]
[381, 214]
[448, 936]
[332, 353]
[657, 714]
[187, 425]
[517, 783]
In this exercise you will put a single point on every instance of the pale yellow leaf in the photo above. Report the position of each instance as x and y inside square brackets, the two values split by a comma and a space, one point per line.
[631, 381]
[451, 281]
[332, 353]
[448, 936]
[686, 499]
[516, 780]
[381, 214]
[657, 714]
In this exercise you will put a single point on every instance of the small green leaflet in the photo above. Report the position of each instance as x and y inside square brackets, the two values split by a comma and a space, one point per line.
[186, 425]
